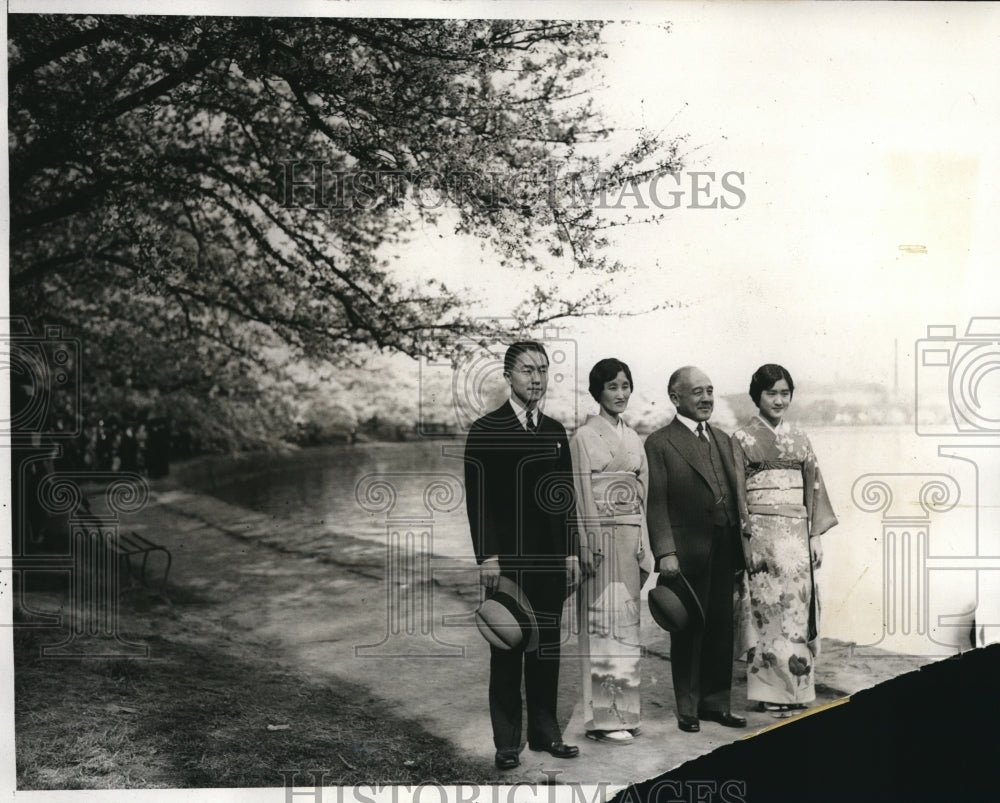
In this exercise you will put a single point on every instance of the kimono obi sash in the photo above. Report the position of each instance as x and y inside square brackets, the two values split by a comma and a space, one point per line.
[774, 488]
[617, 496]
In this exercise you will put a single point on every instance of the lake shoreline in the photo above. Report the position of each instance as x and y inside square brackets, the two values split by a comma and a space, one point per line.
[244, 583]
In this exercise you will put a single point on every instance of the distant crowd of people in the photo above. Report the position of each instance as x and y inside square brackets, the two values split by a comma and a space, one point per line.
[140, 446]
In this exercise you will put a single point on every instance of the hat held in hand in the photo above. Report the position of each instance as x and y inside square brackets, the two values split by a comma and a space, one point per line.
[674, 604]
[506, 620]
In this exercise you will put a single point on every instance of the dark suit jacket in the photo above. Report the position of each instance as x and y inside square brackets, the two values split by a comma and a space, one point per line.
[680, 502]
[519, 490]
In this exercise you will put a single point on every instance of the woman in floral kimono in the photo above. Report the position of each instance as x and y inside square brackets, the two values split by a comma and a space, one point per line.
[609, 467]
[784, 508]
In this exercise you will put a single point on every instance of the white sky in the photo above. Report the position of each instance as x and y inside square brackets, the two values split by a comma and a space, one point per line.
[858, 128]
[852, 140]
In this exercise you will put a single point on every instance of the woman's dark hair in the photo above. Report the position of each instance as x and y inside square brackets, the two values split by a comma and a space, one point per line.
[605, 371]
[765, 377]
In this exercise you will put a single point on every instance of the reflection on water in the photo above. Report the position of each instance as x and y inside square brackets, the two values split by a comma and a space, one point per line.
[315, 489]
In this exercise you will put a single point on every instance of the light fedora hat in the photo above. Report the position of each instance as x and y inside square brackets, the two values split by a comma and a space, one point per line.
[674, 604]
[506, 620]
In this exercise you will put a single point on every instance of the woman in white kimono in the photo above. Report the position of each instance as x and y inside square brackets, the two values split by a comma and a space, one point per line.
[609, 467]
[784, 508]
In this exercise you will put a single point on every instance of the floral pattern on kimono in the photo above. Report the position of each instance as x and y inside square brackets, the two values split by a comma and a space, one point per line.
[783, 502]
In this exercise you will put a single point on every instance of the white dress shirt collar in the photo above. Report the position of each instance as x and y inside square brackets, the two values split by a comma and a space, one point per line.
[522, 413]
[691, 423]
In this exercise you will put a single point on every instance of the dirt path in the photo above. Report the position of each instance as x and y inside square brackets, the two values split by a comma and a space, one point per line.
[258, 585]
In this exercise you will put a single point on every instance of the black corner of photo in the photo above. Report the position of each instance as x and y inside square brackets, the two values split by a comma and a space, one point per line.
[931, 735]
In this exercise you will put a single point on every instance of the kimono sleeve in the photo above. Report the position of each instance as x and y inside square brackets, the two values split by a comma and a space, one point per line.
[587, 518]
[740, 458]
[817, 500]
[746, 531]
[646, 564]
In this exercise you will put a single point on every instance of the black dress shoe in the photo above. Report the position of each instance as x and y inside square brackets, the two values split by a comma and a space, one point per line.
[688, 723]
[557, 749]
[507, 759]
[727, 718]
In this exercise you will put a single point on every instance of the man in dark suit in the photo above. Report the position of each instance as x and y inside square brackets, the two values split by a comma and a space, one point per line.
[694, 530]
[519, 496]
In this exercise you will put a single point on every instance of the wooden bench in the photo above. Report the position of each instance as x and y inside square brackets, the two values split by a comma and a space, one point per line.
[127, 545]
[131, 543]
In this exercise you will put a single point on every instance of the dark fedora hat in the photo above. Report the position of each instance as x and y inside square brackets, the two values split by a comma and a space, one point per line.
[506, 620]
[673, 603]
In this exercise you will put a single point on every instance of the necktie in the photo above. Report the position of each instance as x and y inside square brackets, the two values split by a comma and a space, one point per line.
[530, 421]
[701, 433]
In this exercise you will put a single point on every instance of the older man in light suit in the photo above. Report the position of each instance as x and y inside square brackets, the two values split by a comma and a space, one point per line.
[694, 530]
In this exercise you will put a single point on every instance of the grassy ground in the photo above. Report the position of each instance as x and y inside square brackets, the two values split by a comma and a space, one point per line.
[208, 708]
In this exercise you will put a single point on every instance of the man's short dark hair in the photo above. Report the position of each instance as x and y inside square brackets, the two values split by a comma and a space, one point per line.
[765, 377]
[604, 371]
[515, 350]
